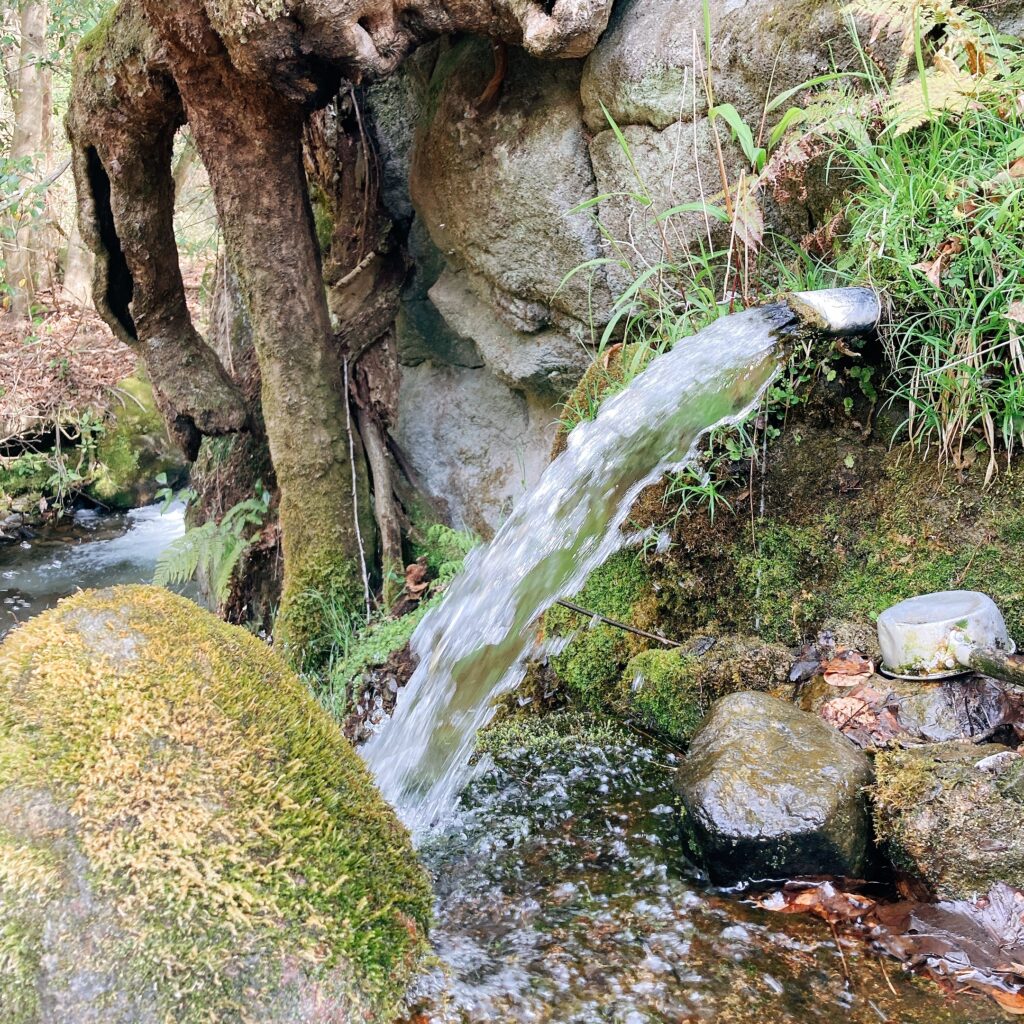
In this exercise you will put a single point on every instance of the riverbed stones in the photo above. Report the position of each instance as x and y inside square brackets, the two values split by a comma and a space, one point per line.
[183, 832]
[951, 816]
[770, 791]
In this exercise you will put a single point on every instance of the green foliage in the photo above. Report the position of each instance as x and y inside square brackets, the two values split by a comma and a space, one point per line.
[445, 550]
[214, 549]
[60, 472]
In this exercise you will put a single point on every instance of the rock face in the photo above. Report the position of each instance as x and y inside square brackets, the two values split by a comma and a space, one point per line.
[184, 832]
[951, 815]
[770, 791]
[474, 443]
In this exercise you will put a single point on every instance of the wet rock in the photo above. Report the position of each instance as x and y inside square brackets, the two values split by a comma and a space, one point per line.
[670, 691]
[183, 831]
[771, 791]
[951, 816]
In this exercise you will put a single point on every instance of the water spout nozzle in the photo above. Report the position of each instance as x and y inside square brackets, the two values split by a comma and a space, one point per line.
[837, 310]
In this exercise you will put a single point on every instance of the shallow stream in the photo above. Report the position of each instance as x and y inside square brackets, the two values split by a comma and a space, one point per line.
[92, 549]
[564, 897]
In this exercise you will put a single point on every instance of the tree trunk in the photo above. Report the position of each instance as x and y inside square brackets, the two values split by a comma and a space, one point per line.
[78, 269]
[246, 134]
[29, 143]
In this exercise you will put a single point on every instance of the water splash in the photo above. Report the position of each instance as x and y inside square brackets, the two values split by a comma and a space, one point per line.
[473, 646]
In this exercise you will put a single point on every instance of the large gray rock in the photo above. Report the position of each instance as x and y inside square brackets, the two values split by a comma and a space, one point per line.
[474, 443]
[495, 188]
[677, 165]
[545, 363]
[770, 791]
[648, 67]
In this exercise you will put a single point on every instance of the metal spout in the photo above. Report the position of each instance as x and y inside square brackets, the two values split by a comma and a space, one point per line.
[837, 310]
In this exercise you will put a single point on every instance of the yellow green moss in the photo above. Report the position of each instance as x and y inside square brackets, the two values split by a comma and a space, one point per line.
[321, 593]
[220, 812]
[133, 449]
[594, 658]
[669, 691]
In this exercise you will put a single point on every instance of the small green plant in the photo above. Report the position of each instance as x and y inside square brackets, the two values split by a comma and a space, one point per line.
[214, 549]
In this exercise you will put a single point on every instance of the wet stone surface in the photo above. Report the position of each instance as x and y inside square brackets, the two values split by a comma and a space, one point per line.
[563, 897]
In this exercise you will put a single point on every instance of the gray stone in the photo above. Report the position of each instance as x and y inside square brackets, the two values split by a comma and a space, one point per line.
[475, 444]
[770, 791]
[676, 166]
[495, 188]
[648, 67]
[421, 333]
[394, 106]
[951, 815]
[545, 363]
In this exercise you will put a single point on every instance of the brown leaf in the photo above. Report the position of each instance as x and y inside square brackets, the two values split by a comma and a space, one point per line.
[848, 668]
[1016, 311]
[1016, 169]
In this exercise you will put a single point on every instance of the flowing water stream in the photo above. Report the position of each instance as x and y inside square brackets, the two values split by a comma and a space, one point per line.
[91, 550]
[473, 646]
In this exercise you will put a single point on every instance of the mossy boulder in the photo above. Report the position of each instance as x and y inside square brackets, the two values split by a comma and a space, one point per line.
[184, 835]
[596, 654]
[951, 815]
[670, 691]
[770, 791]
[134, 449]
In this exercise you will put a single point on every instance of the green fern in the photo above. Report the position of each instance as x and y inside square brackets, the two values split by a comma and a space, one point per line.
[446, 549]
[214, 549]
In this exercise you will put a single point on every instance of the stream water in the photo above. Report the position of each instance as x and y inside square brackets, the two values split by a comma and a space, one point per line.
[473, 646]
[91, 550]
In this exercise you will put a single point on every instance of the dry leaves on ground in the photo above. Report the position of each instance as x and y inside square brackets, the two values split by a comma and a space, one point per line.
[864, 716]
[848, 668]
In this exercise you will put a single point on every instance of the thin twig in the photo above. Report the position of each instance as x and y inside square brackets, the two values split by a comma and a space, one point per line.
[618, 625]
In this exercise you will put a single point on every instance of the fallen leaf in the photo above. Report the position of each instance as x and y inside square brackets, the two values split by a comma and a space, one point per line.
[848, 668]
[964, 945]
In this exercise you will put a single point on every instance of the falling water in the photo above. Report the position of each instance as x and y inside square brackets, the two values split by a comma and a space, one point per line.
[473, 646]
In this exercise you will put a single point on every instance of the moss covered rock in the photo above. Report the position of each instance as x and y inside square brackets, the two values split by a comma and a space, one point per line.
[133, 450]
[184, 835]
[670, 691]
[772, 792]
[592, 661]
[850, 526]
[952, 816]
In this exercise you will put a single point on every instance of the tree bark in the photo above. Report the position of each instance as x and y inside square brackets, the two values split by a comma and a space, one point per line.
[247, 80]
[247, 133]
[29, 145]
[124, 112]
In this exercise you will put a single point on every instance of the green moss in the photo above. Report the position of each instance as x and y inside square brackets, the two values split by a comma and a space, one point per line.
[597, 653]
[670, 691]
[323, 217]
[238, 836]
[547, 737]
[321, 594]
[944, 821]
[133, 449]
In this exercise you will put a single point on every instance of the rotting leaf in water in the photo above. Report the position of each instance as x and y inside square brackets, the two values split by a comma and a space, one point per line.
[967, 946]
